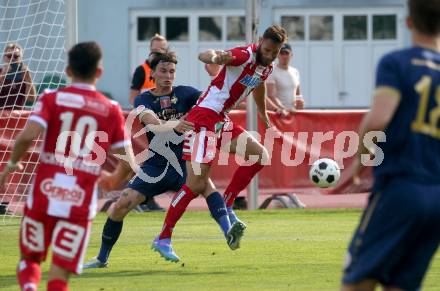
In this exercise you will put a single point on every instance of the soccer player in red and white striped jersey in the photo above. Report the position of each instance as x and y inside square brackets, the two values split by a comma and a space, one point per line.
[80, 126]
[244, 71]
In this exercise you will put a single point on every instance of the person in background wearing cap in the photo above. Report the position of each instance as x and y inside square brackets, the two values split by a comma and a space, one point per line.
[283, 85]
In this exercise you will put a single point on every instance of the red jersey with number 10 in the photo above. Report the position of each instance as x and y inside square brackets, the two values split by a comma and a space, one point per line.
[81, 126]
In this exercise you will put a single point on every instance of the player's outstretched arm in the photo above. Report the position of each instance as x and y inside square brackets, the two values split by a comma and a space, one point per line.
[122, 172]
[216, 57]
[272, 93]
[150, 119]
[377, 119]
[24, 140]
[259, 97]
[273, 103]
[382, 110]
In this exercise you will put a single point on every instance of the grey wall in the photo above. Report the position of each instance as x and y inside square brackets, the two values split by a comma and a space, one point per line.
[37, 25]
[334, 3]
[107, 22]
[268, 6]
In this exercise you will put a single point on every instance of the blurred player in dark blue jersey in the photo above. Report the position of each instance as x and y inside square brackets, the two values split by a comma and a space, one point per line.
[399, 231]
[162, 111]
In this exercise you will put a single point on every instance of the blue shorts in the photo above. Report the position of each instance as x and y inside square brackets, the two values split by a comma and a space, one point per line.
[397, 236]
[155, 179]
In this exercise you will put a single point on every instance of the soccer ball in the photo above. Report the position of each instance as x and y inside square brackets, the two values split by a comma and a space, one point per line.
[325, 173]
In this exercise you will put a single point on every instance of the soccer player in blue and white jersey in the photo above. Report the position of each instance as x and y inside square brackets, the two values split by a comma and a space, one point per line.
[162, 111]
[399, 231]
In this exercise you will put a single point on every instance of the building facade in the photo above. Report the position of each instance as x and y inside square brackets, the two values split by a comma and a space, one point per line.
[336, 43]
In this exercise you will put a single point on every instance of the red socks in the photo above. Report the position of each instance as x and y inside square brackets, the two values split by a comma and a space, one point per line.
[28, 274]
[242, 176]
[57, 285]
[177, 207]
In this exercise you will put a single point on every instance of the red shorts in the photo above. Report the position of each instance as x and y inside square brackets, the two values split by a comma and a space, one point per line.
[68, 238]
[211, 131]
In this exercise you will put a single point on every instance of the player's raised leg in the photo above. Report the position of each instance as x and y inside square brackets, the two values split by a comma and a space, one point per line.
[128, 200]
[200, 149]
[194, 184]
[217, 207]
[251, 150]
[178, 205]
[216, 204]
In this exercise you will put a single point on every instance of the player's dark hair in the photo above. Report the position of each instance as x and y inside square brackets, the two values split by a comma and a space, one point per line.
[425, 15]
[84, 58]
[275, 33]
[166, 57]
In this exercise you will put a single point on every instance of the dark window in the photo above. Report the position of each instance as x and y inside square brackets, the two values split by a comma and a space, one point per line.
[177, 28]
[147, 27]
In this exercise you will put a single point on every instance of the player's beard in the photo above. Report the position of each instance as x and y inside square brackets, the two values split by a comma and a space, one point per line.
[261, 60]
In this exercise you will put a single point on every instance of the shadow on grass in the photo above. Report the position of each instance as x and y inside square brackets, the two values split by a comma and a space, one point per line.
[137, 273]
[10, 280]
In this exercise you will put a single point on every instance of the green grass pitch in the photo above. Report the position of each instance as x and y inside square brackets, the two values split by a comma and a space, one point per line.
[281, 250]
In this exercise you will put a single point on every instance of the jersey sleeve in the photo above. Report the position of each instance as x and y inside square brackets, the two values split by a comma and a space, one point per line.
[146, 103]
[241, 55]
[118, 138]
[387, 76]
[42, 110]
[138, 78]
[194, 95]
[138, 101]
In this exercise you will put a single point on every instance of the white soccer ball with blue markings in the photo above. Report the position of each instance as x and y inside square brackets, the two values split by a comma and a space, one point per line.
[325, 173]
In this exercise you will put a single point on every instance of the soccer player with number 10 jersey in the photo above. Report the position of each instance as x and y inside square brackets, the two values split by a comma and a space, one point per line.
[62, 200]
